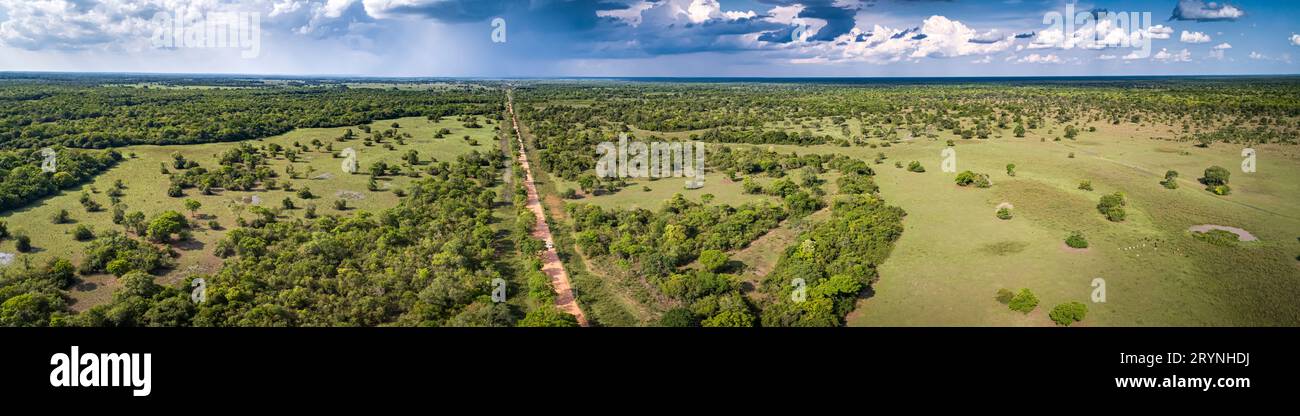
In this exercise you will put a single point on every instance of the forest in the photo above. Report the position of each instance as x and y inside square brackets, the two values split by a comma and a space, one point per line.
[88, 115]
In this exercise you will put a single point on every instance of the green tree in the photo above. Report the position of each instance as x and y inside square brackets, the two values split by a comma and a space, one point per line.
[548, 316]
[165, 224]
[1112, 206]
[192, 206]
[1024, 302]
[1068, 313]
[713, 260]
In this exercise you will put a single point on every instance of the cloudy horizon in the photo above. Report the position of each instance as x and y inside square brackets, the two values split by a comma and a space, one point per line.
[662, 38]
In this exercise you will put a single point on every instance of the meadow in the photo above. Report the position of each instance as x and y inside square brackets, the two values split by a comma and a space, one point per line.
[955, 254]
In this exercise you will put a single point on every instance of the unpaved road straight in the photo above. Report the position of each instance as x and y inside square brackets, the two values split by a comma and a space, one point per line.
[551, 264]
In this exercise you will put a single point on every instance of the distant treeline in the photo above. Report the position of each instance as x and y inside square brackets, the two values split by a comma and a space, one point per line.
[34, 114]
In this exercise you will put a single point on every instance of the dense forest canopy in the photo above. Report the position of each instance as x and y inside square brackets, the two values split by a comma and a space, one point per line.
[94, 116]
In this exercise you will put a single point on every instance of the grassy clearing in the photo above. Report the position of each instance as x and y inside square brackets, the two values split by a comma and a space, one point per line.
[146, 191]
[955, 253]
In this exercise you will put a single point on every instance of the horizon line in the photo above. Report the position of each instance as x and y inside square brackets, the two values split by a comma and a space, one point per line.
[616, 77]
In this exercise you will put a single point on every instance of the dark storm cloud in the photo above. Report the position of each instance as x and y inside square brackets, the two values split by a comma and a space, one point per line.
[839, 20]
[1202, 11]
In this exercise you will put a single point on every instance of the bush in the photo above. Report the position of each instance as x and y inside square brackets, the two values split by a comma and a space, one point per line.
[83, 233]
[1004, 214]
[678, 318]
[1085, 185]
[965, 178]
[305, 193]
[22, 243]
[1004, 296]
[1219, 238]
[4, 230]
[1076, 240]
[915, 166]
[1171, 180]
[713, 260]
[1112, 206]
[1068, 313]
[1024, 302]
[1011, 169]
[1215, 176]
[341, 204]
[61, 217]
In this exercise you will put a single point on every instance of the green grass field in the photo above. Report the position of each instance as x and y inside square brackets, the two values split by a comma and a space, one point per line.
[955, 254]
[146, 191]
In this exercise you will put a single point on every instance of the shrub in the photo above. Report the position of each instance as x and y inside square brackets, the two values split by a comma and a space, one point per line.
[1068, 313]
[4, 230]
[1085, 185]
[83, 233]
[22, 243]
[713, 260]
[965, 178]
[1004, 214]
[915, 166]
[1171, 180]
[678, 318]
[1024, 302]
[1004, 296]
[1219, 238]
[1011, 169]
[341, 204]
[982, 181]
[1112, 206]
[1076, 240]
[61, 217]
[305, 193]
[1215, 176]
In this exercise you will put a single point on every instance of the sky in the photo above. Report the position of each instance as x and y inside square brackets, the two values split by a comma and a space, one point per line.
[661, 38]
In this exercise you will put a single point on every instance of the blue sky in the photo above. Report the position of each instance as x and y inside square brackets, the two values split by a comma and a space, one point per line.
[764, 38]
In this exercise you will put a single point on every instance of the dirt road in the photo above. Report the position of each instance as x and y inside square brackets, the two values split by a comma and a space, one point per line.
[551, 264]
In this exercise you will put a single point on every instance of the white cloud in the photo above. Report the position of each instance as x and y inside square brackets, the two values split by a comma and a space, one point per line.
[937, 37]
[1159, 32]
[1194, 37]
[1295, 39]
[1105, 33]
[945, 38]
[1165, 56]
[1224, 45]
[1034, 58]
